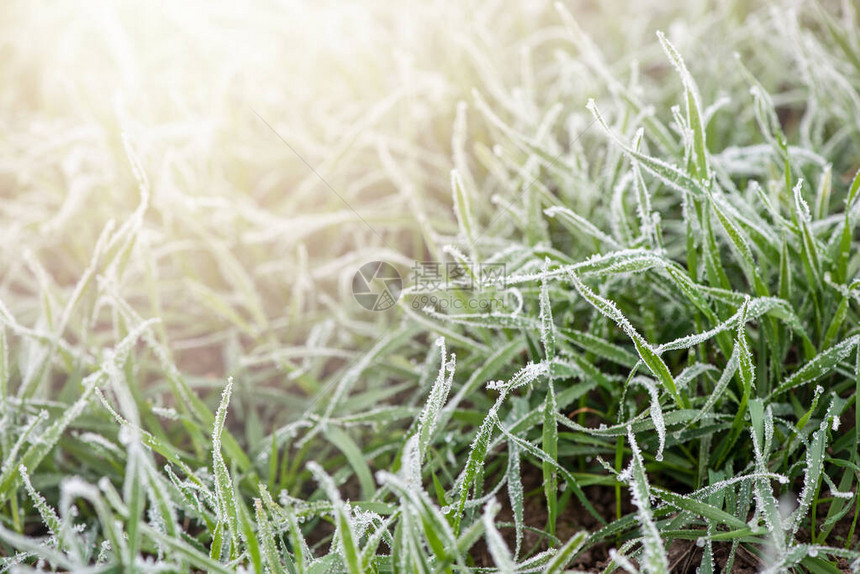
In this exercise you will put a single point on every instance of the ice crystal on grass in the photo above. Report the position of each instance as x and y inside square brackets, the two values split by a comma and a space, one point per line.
[436, 400]
[820, 365]
[516, 493]
[525, 376]
[347, 542]
[224, 494]
[643, 347]
[655, 560]
[656, 414]
[48, 515]
[498, 549]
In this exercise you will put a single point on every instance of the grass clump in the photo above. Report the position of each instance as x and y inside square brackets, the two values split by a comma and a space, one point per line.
[668, 381]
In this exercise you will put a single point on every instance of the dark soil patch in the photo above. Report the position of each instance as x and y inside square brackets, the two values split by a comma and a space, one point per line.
[685, 556]
[575, 518]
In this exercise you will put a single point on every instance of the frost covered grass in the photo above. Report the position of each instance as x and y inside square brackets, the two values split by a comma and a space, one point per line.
[670, 383]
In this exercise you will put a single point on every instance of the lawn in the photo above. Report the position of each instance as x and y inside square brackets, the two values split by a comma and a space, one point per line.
[451, 286]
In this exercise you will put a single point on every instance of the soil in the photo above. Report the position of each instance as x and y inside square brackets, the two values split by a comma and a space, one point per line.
[574, 519]
[684, 555]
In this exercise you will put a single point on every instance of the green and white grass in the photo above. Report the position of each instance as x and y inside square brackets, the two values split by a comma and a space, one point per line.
[186, 383]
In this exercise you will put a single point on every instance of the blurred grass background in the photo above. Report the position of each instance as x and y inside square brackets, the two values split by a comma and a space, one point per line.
[241, 242]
